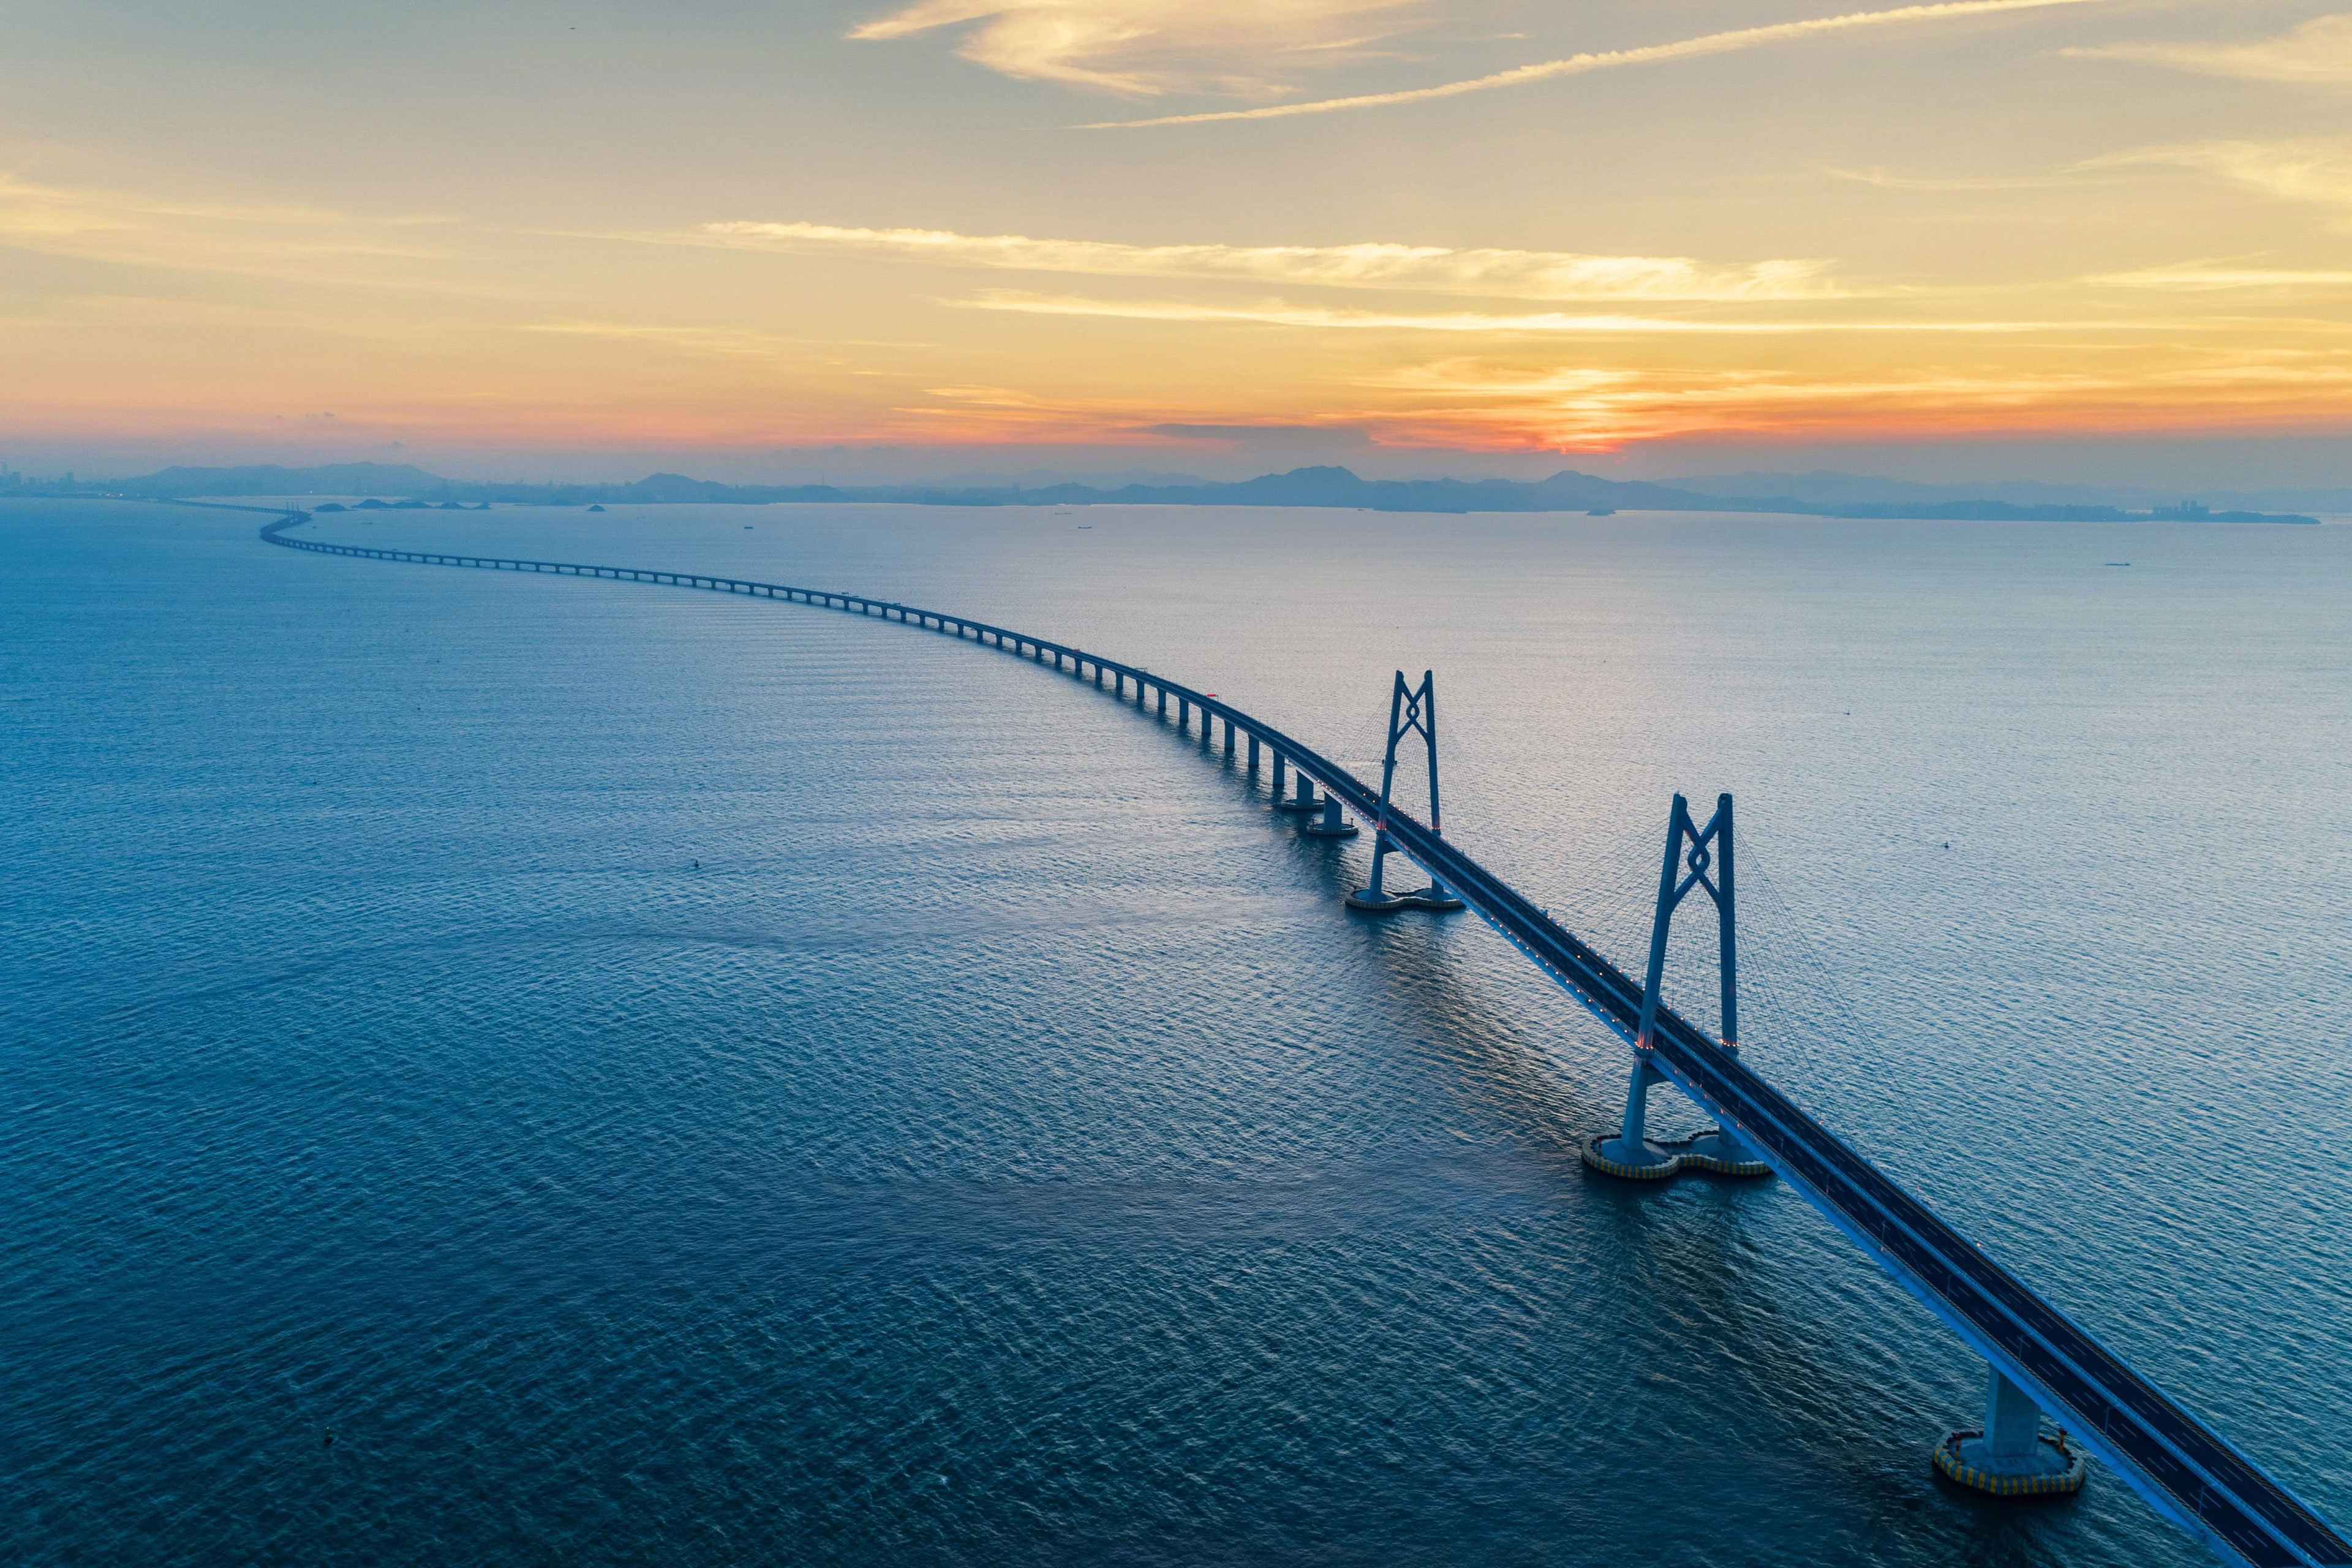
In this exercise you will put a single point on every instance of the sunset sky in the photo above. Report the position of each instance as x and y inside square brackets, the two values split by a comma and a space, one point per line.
[533, 239]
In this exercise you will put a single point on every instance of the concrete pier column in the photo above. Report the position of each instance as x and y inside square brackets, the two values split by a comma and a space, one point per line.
[1184, 715]
[1630, 1153]
[2013, 1421]
[1330, 825]
[2011, 1457]
[1253, 753]
[1304, 800]
[1637, 1103]
[1163, 702]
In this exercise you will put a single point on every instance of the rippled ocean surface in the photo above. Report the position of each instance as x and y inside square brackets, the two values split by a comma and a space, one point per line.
[529, 1070]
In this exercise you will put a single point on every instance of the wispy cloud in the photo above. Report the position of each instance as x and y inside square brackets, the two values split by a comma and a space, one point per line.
[308, 244]
[1609, 60]
[1458, 400]
[1476, 401]
[1893, 182]
[2198, 277]
[706, 340]
[2307, 170]
[698, 340]
[29, 209]
[1278, 313]
[1424, 269]
[1144, 47]
[2318, 52]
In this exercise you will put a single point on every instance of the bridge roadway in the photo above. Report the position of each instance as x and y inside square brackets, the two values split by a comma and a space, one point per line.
[2186, 1470]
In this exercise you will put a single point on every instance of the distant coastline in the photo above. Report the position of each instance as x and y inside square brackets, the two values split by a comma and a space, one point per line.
[1565, 491]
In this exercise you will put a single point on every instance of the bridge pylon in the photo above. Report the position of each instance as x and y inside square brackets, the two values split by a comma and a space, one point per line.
[1692, 852]
[1413, 709]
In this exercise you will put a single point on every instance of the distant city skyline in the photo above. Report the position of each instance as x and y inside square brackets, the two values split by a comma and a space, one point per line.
[2064, 241]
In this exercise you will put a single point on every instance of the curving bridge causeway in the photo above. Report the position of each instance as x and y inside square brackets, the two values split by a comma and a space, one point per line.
[2186, 1470]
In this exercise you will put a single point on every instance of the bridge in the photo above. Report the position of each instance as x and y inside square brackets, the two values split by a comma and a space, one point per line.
[2040, 1362]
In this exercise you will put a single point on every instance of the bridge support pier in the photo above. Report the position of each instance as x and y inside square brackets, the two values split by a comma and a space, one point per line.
[1630, 1153]
[1330, 825]
[1303, 801]
[1253, 753]
[2011, 1456]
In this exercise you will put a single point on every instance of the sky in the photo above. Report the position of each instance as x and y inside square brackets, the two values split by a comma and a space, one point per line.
[2093, 239]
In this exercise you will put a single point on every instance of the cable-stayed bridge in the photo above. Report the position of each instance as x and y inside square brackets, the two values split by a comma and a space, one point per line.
[2041, 1362]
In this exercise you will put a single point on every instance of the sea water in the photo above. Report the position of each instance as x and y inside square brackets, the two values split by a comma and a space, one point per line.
[526, 1069]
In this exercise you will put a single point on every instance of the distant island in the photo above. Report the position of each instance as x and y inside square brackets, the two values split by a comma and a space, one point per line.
[1567, 491]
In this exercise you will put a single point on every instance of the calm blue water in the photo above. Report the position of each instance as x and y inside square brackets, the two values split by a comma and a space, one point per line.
[1002, 1150]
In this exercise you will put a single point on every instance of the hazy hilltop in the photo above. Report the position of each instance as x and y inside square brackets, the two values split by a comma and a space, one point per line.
[270, 480]
[1567, 491]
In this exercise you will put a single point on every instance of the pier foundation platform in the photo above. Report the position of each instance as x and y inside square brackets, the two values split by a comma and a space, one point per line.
[1304, 801]
[1330, 825]
[2011, 1457]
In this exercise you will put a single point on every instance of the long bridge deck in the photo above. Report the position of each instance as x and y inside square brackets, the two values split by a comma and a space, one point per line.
[2189, 1473]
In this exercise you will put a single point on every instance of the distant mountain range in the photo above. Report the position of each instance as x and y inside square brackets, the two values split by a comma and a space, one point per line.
[269, 479]
[1828, 495]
